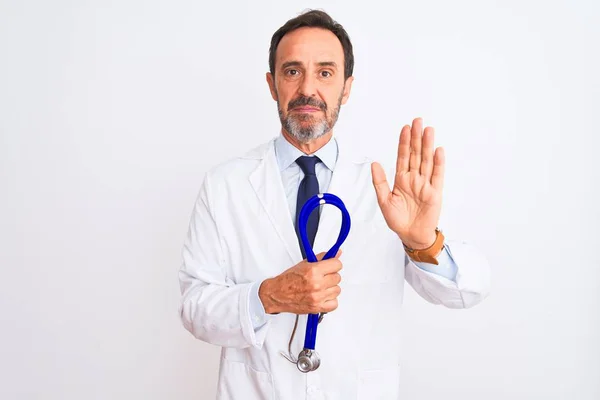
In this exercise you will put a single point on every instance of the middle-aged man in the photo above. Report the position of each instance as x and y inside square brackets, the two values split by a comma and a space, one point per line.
[244, 279]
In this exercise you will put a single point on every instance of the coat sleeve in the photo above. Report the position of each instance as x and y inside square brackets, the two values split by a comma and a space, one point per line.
[213, 307]
[472, 278]
[472, 282]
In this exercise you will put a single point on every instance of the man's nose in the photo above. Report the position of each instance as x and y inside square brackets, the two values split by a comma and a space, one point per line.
[308, 87]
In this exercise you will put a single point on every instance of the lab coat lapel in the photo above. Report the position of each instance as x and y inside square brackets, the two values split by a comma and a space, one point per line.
[266, 182]
[343, 184]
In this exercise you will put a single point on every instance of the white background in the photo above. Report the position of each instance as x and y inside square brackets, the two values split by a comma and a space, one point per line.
[111, 112]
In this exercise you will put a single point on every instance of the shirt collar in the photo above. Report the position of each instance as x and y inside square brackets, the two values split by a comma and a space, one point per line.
[287, 153]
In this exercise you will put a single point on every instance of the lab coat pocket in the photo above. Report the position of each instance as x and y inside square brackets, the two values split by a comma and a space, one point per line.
[244, 382]
[378, 384]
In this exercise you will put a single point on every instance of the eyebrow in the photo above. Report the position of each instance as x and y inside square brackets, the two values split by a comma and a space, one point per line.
[288, 64]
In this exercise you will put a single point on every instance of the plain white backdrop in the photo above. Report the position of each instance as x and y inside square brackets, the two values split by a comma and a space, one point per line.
[111, 112]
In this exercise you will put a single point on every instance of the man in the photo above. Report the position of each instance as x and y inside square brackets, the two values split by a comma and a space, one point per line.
[244, 281]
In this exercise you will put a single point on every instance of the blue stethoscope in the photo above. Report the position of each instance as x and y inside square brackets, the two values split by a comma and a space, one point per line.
[308, 359]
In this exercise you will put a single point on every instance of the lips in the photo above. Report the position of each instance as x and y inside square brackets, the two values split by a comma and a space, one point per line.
[306, 109]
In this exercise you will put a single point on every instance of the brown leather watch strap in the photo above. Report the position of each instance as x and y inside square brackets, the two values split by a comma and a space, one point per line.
[429, 254]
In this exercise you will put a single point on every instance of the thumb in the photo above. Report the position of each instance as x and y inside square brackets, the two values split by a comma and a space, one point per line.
[382, 189]
[321, 255]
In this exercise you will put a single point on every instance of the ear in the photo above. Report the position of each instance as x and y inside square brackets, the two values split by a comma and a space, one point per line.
[271, 82]
[347, 89]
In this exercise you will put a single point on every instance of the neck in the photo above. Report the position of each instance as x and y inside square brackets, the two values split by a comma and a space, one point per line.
[310, 147]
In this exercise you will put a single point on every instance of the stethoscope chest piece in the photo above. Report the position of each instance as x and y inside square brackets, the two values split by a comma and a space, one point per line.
[308, 360]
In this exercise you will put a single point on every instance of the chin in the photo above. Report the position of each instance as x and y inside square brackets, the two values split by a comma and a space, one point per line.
[308, 138]
[307, 128]
[304, 117]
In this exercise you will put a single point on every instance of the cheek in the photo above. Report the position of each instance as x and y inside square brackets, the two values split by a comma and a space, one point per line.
[332, 103]
[286, 88]
[284, 98]
[332, 95]
[283, 103]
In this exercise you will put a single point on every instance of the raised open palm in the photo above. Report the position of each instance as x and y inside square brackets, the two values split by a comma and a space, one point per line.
[412, 208]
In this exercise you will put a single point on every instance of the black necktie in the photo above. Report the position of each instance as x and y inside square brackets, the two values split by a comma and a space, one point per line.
[307, 189]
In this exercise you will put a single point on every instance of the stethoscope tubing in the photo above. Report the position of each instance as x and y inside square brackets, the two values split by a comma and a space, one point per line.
[312, 203]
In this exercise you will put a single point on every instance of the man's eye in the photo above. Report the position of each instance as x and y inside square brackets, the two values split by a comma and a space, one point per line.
[292, 72]
[325, 74]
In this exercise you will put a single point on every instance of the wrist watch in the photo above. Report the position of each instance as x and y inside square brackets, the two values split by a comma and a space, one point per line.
[429, 254]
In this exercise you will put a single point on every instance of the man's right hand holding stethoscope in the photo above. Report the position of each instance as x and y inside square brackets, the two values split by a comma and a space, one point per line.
[305, 288]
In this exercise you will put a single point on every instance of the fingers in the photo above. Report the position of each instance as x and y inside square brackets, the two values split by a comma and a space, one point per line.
[324, 279]
[326, 299]
[333, 292]
[330, 306]
[402, 162]
[427, 153]
[332, 280]
[321, 300]
[382, 188]
[422, 158]
[437, 177]
[327, 267]
[331, 300]
[415, 145]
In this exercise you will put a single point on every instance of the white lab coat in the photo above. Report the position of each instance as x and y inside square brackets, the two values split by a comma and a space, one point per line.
[241, 231]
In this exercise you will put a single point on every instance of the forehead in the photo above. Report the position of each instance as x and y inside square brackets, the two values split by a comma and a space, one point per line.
[309, 45]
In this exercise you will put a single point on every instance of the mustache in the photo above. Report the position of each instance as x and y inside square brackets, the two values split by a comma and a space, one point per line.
[307, 101]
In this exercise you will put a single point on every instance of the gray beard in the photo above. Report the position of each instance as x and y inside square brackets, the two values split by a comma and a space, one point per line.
[307, 133]
[296, 126]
